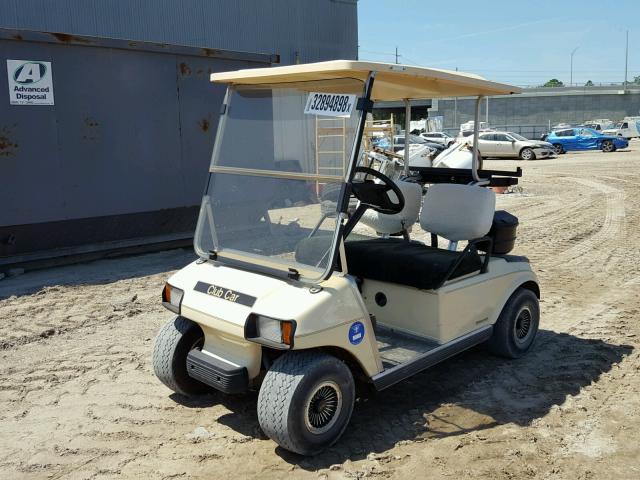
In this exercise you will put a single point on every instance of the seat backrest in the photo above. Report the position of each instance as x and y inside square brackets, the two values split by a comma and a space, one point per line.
[388, 224]
[458, 212]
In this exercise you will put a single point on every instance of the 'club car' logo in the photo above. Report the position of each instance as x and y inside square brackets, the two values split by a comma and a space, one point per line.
[225, 294]
[29, 73]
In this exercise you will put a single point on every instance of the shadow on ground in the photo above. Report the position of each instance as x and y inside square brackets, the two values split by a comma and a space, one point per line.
[481, 390]
[98, 272]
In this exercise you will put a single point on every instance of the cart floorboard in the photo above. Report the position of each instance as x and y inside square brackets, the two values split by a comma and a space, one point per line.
[396, 347]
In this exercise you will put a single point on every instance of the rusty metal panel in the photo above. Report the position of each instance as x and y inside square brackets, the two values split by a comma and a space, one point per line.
[130, 132]
[199, 109]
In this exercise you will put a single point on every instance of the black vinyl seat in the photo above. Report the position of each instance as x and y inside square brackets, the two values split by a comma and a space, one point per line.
[407, 263]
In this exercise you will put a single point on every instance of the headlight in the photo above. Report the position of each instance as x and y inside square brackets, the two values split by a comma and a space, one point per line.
[270, 331]
[172, 297]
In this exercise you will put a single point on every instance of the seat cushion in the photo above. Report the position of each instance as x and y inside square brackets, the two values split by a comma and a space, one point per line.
[407, 263]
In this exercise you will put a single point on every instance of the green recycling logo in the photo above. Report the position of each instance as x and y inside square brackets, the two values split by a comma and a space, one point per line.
[29, 73]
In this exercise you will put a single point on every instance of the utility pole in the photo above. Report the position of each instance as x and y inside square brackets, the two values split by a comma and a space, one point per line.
[571, 74]
[626, 61]
[486, 113]
[455, 110]
[396, 55]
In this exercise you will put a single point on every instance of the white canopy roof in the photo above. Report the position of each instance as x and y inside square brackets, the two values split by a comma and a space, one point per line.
[392, 82]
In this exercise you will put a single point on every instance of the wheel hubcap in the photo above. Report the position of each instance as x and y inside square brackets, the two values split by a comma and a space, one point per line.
[607, 147]
[526, 154]
[323, 407]
[522, 325]
[558, 149]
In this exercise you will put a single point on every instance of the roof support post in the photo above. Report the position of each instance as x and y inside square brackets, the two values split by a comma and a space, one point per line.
[407, 127]
[355, 149]
[476, 129]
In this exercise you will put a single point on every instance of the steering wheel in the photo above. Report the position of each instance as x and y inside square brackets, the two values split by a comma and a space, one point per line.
[376, 195]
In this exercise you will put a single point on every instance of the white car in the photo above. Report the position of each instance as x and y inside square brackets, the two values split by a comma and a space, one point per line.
[438, 137]
[511, 145]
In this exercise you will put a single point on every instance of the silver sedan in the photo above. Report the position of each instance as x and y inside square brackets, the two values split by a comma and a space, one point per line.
[512, 145]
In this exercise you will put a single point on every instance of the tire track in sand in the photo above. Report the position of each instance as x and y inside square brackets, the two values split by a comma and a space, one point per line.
[590, 249]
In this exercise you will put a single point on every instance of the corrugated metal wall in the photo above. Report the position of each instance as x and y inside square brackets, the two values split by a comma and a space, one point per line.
[317, 29]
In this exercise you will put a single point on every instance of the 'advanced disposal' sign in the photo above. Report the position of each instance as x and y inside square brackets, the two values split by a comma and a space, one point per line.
[30, 82]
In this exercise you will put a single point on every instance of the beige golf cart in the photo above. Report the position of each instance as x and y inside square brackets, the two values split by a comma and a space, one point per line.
[308, 279]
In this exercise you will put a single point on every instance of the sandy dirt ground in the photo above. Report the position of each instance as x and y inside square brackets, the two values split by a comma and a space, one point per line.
[78, 398]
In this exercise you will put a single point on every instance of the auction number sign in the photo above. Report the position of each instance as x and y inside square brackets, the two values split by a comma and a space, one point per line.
[330, 104]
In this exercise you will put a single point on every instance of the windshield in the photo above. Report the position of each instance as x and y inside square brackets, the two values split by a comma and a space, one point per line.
[416, 139]
[518, 137]
[276, 175]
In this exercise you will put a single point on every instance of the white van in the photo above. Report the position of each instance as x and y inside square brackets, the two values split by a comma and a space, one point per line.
[629, 127]
[599, 125]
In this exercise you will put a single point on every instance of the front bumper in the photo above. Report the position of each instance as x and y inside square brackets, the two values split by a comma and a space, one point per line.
[544, 152]
[216, 373]
[620, 143]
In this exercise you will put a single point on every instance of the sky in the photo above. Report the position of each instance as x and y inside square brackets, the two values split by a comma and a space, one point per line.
[523, 43]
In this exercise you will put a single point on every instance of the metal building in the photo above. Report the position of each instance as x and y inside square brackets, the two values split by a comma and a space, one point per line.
[532, 112]
[116, 151]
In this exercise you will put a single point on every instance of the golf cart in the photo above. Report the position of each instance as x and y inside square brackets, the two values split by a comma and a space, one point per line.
[308, 282]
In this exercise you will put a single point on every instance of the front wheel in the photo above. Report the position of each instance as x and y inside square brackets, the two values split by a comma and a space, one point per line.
[608, 146]
[305, 401]
[527, 154]
[173, 343]
[517, 325]
[558, 148]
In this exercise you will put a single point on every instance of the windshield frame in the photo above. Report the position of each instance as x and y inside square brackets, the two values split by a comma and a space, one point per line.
[245, 260]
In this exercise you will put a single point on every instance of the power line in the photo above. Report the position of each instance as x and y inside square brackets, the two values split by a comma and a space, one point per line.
[377, 53]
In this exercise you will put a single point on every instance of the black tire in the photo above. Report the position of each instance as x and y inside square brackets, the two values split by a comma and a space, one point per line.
[172, 345]
[295, 383]
[517, 325]
[558, 149]
[527, 154]
[608, 146]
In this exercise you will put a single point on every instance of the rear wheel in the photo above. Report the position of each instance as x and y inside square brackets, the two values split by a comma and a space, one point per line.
[527, 154]
[608, 146]
[558, 148]
[517, 325]
[305, 401]
[172, 345]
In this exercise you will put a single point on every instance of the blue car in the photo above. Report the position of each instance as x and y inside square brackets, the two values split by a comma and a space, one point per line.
[569, 139]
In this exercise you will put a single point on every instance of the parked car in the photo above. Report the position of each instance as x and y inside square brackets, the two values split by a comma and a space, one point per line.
[584, 139]
[438, 137]
[627, 128]
[511, 145]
